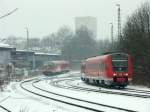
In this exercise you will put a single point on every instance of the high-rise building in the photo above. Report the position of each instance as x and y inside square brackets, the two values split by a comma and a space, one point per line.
[89, 22]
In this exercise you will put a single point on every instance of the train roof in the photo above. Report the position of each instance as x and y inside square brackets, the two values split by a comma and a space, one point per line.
[104, 56]
[96, 57]
[113, 52]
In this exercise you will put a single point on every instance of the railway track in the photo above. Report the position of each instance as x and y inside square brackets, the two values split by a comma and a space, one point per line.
[4, 108]
[72, 98]
[55, 99]
[137, 90]
[125, 92]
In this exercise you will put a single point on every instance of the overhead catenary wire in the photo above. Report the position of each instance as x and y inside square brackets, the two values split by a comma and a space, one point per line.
[11, 12]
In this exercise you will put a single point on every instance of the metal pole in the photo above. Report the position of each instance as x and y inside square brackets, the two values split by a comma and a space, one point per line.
[148, 24]
[119, 22]
[112, 37]
[27, 31]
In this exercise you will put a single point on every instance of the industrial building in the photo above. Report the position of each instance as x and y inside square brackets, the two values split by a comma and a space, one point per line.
[5, 54]
[40, 58]
[23, 59]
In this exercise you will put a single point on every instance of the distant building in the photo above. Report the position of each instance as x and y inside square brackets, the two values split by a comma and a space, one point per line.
[41, 58]
[89, 22]
[23, 59]
[30, 59]
[5, 54]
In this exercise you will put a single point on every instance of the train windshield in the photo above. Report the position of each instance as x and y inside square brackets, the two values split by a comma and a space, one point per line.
[120, 63]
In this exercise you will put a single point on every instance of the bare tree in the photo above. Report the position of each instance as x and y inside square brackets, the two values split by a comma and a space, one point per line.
[81, 46]
[136, 36]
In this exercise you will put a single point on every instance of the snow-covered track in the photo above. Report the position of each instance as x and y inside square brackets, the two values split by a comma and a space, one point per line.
[125, 92]
[72, 98]
[90, 102]
[4, 108]
[88, 108]
[137, 90]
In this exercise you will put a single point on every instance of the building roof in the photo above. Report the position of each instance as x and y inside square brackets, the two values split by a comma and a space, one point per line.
[27, 51]
[55, 54]
[5, 46]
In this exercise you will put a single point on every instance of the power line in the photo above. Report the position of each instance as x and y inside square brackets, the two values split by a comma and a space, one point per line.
[9, 13]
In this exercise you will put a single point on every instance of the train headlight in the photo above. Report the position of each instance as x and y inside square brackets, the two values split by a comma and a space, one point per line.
[114, 74]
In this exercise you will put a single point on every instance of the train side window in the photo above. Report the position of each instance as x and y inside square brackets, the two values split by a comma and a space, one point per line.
[100, 66]
[106, 66]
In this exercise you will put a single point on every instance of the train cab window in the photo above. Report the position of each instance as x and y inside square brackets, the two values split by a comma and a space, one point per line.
[123, 63]
[120, 69]
[120, 65]
[120, 62]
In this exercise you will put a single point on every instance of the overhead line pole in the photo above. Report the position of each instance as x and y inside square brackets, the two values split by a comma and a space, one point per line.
[27, 32]
[119, 22]
[112, 31]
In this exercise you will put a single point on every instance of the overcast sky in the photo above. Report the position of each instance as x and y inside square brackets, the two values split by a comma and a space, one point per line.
[43, 17]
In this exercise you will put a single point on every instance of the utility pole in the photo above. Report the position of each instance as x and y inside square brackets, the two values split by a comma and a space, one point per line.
[119, 22]
[148, 25]
[112, 31]
[27, 32]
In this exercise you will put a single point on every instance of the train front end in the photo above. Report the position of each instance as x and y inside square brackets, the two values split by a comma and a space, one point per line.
[121, 69]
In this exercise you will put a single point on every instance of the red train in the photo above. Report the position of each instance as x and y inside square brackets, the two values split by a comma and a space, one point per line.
[55, 67]
[113, 69]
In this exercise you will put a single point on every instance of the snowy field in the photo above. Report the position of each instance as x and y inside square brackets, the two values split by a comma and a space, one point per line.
[16, 99]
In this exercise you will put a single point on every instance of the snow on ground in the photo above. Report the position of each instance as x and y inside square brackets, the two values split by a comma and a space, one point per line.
[19, 99]
[16, 99]
[83, 84]
[138, 104]
[22, 100]
[128, 102]
[4, 96]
